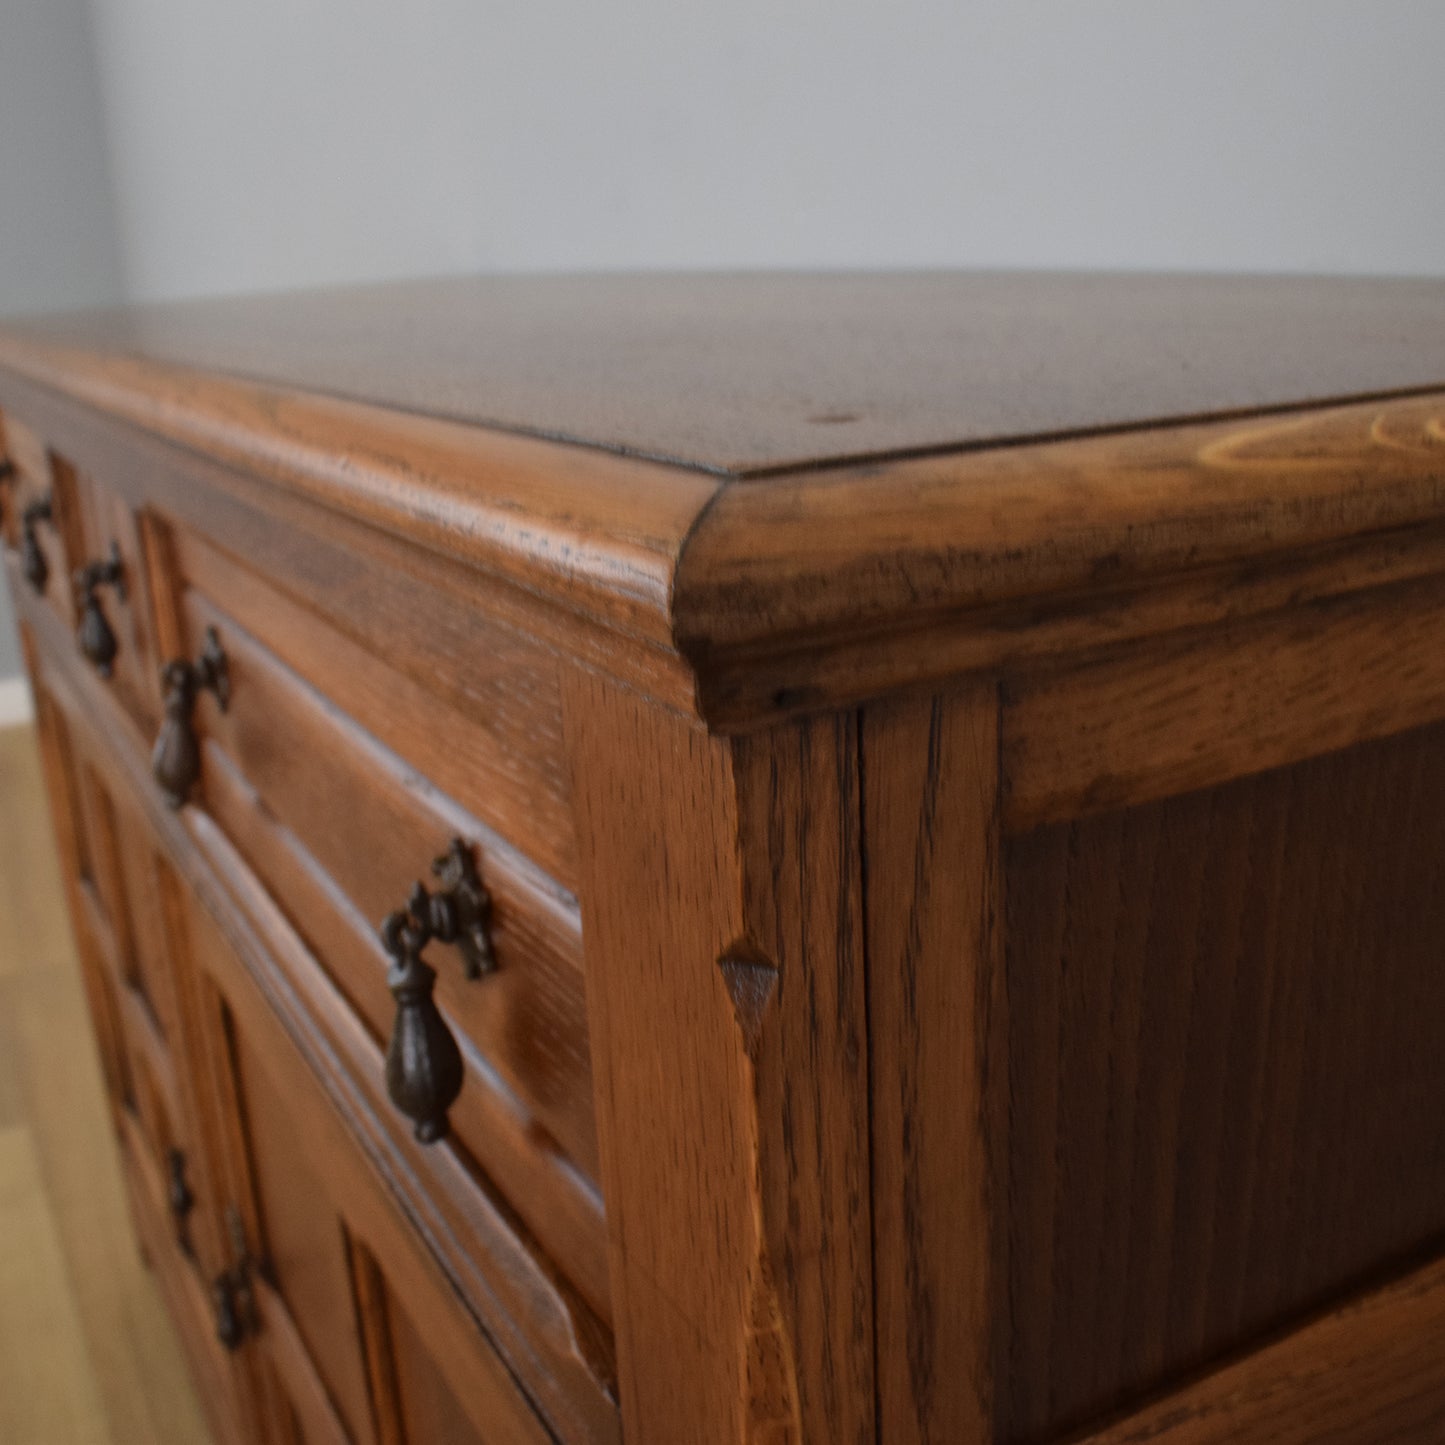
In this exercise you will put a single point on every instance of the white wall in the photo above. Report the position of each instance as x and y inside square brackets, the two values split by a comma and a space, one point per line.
[289, 142]
[294, 141]
[57, 228]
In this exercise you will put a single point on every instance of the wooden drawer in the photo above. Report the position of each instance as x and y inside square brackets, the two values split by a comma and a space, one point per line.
[339, 827]
[420, 653]
[41, 516]
[369, 1260]
[111, 542]
[83, 528]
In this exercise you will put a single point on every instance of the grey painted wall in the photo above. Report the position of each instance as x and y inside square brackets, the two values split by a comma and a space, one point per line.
[291, 142]
[57, 218]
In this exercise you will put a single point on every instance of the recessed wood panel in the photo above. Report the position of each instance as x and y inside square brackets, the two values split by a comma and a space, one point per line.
[305, 1247]
[1226, 1069]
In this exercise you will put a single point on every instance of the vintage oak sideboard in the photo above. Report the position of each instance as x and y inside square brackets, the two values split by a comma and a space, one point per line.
[776, 859]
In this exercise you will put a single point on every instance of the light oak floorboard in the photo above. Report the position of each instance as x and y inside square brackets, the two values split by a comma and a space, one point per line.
[48, 1392]
[125, 1357]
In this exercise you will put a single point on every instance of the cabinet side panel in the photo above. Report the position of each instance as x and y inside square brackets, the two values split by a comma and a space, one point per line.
[1225, 1067]
[936, 1014]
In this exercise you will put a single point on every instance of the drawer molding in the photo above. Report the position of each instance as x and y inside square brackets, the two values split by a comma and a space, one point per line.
[559, 1350]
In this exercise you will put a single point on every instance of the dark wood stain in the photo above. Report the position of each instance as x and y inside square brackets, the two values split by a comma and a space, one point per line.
[1209, 996]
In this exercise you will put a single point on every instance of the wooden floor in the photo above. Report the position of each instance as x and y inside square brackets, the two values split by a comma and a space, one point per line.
[87, 1354]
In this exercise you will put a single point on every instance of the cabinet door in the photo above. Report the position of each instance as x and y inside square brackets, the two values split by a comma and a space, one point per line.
[345, 1353]
[78, 869]
[123, 893]
[425, 1403]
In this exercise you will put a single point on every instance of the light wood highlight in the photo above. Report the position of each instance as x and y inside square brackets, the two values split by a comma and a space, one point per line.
[598, 533]
[855, 549]
[1170, 718]
[48, 1390]
[1367, 1374]
[725, 990]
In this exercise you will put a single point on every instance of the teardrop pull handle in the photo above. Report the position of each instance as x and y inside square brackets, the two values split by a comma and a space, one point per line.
[423, 1062]
[231, 1294]
[32, 559]
[230, 1331]
[179, 1196]
[424, 1072]
[94, 632]
[176, 757]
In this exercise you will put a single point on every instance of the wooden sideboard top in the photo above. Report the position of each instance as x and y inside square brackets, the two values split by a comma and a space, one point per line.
[757, 373]
[749, 470]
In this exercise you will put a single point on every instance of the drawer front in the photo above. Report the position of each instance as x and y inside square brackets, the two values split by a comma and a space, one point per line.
[41, 523]
[402, 643]
[110, 591]
[80, 545]
[124, 889]
[357, 1264]
[339, 830]
[368, 693]
[377, 711]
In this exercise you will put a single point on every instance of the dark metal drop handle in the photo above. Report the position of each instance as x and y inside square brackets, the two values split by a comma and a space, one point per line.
[231, 1293]
[94, 633]
[32, 559]
[176, 757]
[179, 1196]
[424, 1070]
[230, 1329]
[178, 1191]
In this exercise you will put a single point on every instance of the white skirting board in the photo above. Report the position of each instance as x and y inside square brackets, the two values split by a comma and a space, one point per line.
[15, 704]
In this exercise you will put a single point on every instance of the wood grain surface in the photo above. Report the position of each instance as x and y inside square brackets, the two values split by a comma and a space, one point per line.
[1224, 1067]
[834, 578]
[754, 372]
[1216, 703]
[958, 764]
[1367, 1374]
[937, 1037]
[597, 534]
[429, 1206]
[722, 903]
[862, 548]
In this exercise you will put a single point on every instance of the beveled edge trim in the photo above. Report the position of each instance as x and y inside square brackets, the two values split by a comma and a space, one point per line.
[833, 586]
[1372, 1369]
[869, 546]
[596, 532]
[827, 586]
